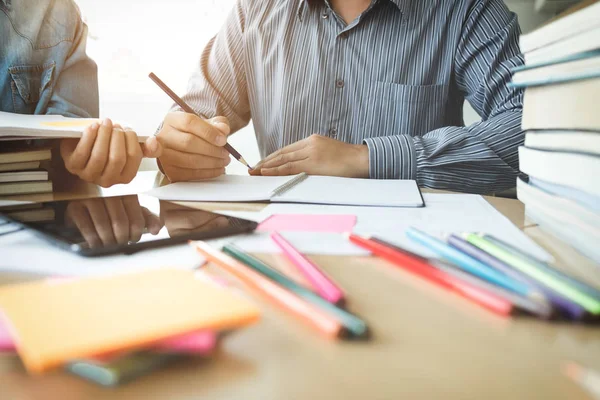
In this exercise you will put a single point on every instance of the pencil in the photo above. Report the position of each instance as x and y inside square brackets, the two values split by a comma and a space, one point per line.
[323, 285]
[190, 110]
[424, 270]
[570, 309]
[561, 286]
[539, 308]
[355, 326]
[308, 313]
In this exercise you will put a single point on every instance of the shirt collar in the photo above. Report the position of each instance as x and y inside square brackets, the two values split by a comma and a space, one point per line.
[304, 3]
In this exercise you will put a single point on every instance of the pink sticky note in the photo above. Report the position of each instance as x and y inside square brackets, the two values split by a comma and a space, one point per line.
[6, 341]
[308, 223]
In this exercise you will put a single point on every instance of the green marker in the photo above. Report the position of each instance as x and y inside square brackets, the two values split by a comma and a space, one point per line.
[583, 299]
[354, 325]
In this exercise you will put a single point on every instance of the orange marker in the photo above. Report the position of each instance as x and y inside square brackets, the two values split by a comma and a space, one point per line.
[307, 312]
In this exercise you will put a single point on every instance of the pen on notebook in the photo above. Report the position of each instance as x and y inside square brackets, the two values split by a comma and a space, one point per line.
[560, 285]
[418, 266]
[467, 263]
[322, 284]
[307, 312]
[356, 326]
[190, 110]
[592, 291]
[539, 308]
[566, 306]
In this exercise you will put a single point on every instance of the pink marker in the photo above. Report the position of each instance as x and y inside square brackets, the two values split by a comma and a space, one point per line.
[322, 284]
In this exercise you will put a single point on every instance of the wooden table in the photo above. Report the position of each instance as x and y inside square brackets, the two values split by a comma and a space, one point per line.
[427, 344]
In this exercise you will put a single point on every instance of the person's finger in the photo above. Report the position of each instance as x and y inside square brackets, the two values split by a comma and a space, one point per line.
[79, 216]
[176, 174]
[192, 161]
[134, 157]
[153, 222]
[119, 219]
[152, 148]
[290, 168]
[189, 143]
[186, 219]
[117, 158]
[99, 154]
[195, 125]
[135, 217]
[76, 158]
[221, 123]
[101, 220]
[285, 158]
[288, 149]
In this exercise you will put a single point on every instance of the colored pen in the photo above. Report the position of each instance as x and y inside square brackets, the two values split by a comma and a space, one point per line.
[322, 284]
[587, 378]
[539, 308]
[569, 308]
[467, 263]
[561, 286]
[357, 327]
[307, 312]
[584, 287]
[190, 110]
[418, 266]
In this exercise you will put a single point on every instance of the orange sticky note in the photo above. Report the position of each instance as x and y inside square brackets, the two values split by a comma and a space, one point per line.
[79, 319]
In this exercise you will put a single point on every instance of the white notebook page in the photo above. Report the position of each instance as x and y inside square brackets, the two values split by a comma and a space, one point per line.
[223, 188]
[359, 192]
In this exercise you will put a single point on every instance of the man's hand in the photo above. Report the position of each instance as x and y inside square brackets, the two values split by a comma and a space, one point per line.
[106, 154]
[317, 155]
[193, 147]
[112, 220]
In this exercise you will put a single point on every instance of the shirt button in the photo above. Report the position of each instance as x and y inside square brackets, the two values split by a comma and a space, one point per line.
[333, 132]
[325, 15]
[339, 83]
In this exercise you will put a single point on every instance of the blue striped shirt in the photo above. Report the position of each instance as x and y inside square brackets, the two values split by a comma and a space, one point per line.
[395, 79]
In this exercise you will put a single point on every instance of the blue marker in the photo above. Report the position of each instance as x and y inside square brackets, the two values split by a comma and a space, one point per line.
[467, 263]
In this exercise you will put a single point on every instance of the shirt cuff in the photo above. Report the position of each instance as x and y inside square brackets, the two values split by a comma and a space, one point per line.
[392, 157]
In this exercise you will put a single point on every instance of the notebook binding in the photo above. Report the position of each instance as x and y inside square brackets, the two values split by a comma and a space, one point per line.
[290, 184]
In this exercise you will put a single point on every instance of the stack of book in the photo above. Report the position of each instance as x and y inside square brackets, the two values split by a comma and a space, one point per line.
[22, 172]
[561, 118]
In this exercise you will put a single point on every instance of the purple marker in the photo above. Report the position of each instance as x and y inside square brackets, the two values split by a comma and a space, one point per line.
[572, 310]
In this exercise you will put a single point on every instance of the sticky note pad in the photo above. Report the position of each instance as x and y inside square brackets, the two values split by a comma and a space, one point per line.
[308, 223]
[79, 319]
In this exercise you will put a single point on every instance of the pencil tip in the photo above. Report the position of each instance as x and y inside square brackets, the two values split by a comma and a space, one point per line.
[245, 163]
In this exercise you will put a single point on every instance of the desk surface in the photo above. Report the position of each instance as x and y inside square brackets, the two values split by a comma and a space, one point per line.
[427, 344]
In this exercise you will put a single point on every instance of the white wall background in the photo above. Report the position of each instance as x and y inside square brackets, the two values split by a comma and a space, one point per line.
[130, 38]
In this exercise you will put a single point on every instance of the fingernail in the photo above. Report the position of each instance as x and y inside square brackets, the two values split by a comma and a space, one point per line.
[106, 122]
[95, 126]
[152, 144]
[221, 140]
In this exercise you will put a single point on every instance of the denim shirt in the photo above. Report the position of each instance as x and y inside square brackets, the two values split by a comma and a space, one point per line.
[43, 65]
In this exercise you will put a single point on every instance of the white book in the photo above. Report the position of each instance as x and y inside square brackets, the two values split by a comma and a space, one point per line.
[574, 170]
[564, 140]
[19, 166]
[23, 176]
[12, 188]
[21, 126]
[296, 189]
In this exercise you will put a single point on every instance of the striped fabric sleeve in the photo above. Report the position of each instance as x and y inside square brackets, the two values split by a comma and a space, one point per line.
[218, 87]
[481, 158]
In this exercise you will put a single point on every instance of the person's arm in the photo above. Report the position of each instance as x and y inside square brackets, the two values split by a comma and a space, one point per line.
[75, 92]
[483, 157]
[217, 91]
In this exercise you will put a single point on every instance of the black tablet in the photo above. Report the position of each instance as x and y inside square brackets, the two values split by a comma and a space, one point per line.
[123, 224]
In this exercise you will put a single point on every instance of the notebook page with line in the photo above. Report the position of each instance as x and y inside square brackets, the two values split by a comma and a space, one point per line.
[351, 191]
[224, 188]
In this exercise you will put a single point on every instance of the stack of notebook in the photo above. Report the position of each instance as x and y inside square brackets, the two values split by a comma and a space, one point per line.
[22, 172]
[561, 155]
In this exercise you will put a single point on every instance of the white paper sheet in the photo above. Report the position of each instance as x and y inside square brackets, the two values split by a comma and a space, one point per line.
[6, 203]
[443, 214]
[24, 252]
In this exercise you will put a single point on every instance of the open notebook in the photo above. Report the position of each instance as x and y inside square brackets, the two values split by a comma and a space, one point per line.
[20, 126]
[300, 188]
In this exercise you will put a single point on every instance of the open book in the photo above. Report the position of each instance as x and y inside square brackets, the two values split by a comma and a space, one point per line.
[297, 189]
[20, 126]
